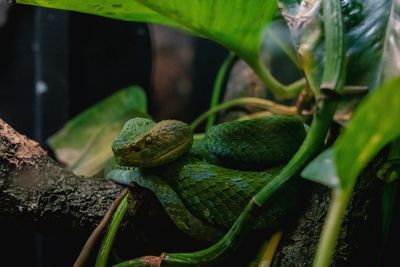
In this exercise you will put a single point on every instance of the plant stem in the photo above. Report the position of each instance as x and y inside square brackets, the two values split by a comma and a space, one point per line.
[106, 245]
[333, 80]
[278, 90]
[208, 256]
[255, 115]
[333, 77]
[219, 81]
[269, 252]
[245, 101]
[331, 228]
[94, 237]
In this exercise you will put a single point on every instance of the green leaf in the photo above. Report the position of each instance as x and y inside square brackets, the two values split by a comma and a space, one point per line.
[84, 143]
[372, 37]
[323, 169]
[236, 24]
[374, 125]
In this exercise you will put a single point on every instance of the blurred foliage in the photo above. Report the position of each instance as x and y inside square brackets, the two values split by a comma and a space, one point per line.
[84, 143]
[371, 35]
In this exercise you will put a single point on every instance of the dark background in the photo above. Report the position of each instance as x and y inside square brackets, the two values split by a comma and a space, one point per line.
[54, 64]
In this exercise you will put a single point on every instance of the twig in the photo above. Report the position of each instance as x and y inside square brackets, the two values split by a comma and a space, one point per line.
[97, 232]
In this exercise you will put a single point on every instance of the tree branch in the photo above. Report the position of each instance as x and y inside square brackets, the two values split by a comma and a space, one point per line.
[35, 189]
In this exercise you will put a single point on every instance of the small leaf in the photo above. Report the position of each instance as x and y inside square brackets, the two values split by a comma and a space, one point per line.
[323, 169]
[84, 143]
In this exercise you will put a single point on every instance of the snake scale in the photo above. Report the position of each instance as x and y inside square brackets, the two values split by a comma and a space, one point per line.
[204, 184]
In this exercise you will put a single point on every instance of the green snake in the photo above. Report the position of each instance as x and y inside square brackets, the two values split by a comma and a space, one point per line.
[204, 184]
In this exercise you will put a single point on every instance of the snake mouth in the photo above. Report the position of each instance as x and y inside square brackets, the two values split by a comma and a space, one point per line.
[127, 161]
[161, 159]
[173, 153]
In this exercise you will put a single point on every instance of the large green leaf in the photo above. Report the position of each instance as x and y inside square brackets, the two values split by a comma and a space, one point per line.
[372, 37]
[374, 125]
[239, 25]
[84, 143]
[236, 24]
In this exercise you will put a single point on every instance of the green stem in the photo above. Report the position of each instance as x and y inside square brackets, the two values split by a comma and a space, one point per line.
[255, 115]
[279, 90]
[334, 71]
[106, 245]
[219, 81]
[209, 256]
[245, 101]
[331, 229]
[98, 231]
[333, 81]
[269, 250]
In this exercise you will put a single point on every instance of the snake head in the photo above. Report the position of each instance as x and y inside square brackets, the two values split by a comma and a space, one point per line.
[144, 143]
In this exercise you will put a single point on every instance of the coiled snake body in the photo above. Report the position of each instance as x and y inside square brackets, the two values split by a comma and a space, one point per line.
[205, 184]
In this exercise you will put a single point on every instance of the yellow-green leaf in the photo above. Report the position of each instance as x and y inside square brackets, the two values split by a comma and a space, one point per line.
[84, 143]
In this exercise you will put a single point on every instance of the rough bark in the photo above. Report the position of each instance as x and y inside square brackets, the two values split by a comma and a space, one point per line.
[359, 232]
[37, 192]
[35, 189]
